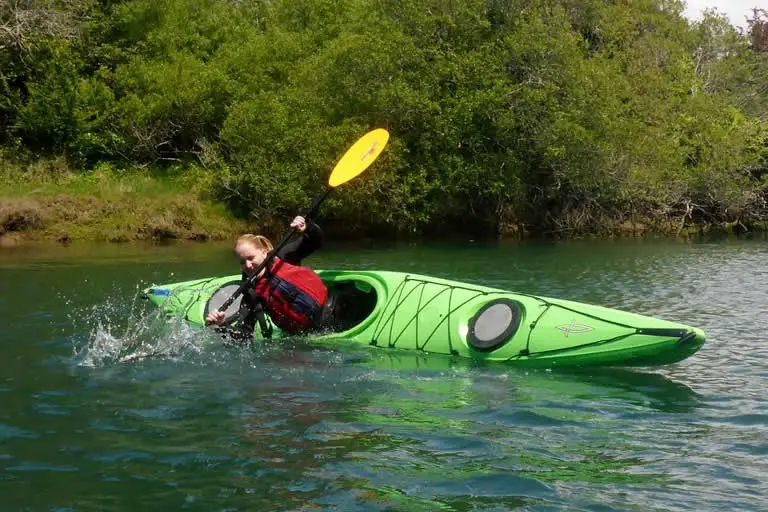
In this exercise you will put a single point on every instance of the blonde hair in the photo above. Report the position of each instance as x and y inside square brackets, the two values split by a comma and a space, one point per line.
[258, 241]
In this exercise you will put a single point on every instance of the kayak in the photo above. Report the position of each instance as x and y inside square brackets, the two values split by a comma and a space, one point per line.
[404, 311]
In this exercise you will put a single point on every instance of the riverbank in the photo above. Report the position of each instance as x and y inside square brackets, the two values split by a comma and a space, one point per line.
[47, 201]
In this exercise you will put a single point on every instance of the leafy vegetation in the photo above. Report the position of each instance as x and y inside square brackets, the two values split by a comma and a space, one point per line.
[531, 117]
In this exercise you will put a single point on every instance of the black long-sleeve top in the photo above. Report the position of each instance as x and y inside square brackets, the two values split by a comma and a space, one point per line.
[293, 252]
[302, 246]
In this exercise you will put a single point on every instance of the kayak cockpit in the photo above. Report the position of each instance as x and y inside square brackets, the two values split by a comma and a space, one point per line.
[351, 303]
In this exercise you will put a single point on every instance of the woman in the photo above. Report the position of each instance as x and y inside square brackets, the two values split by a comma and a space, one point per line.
[292, 295]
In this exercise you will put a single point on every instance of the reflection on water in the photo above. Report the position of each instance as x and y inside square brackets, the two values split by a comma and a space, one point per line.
[358, 426]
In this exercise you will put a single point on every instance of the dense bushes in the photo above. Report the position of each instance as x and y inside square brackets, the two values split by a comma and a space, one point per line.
[572, 116]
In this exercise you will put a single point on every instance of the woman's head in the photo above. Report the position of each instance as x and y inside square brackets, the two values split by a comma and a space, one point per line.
[252, 250]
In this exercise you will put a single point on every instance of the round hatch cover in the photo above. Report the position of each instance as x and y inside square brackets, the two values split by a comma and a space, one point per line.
[224, 292]
[493, 325]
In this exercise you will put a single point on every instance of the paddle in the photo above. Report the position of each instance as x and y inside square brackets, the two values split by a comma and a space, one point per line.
[352, 164]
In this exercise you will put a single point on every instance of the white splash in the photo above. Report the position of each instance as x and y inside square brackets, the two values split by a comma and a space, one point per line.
[127, 332]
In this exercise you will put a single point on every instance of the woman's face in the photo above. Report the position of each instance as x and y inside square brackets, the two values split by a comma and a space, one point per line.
[250, 257]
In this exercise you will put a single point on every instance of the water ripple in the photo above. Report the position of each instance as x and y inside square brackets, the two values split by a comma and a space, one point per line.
[294, 427]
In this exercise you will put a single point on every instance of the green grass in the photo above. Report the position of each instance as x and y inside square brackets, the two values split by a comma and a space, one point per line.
[46, 200]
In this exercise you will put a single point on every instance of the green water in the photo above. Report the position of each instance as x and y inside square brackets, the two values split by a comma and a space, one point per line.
[295, 427]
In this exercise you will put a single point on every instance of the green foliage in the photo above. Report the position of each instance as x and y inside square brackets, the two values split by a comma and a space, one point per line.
[165, 109]
[566, 116]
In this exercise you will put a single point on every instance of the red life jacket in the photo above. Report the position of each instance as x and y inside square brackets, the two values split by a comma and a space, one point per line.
[293, 296]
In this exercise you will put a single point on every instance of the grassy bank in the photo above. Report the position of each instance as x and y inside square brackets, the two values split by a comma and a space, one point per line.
[47, 201]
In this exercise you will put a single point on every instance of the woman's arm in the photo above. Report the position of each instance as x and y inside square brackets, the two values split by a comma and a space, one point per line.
[310, 240]
[239, 328]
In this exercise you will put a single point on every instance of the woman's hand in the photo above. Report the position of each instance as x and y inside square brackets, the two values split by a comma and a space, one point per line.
[216, 317]
[299, 224]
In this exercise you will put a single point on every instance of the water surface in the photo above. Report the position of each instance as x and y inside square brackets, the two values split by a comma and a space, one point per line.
[294, 427]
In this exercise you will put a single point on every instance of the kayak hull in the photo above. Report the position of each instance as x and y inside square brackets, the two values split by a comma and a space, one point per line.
[394, 310]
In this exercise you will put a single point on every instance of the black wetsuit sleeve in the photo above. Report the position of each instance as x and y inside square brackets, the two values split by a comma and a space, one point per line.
[302, 246]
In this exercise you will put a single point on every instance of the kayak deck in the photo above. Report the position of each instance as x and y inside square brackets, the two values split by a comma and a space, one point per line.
[414, 312]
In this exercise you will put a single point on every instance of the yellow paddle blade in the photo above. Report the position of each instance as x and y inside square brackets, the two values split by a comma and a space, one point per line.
[359, 157]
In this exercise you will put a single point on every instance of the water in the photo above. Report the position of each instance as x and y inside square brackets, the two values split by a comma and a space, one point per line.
[208, 428]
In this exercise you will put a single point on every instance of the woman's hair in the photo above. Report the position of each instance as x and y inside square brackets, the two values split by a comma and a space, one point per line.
[258, 241]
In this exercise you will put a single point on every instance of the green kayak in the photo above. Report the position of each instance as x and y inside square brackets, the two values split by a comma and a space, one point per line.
[394, 310]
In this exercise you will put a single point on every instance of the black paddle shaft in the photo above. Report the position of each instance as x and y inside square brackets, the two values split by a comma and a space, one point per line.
[313, 210]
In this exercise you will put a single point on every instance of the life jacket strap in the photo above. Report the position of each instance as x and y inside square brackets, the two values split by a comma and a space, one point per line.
[264, 325]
